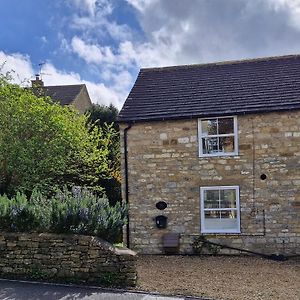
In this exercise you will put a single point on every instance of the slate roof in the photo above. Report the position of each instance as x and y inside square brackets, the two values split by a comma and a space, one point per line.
[64, 94]
[215, 89]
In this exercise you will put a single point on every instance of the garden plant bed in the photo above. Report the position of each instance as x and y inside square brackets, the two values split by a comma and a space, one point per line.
[220, 277]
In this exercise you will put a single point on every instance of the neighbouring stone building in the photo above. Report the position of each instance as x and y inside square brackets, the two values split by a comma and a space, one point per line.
[215, 148]
[75, 95]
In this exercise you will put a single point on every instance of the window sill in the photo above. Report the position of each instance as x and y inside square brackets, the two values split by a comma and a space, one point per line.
[219, 155]
[221, 232]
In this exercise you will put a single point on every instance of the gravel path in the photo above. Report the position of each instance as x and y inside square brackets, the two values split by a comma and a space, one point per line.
[230, 278]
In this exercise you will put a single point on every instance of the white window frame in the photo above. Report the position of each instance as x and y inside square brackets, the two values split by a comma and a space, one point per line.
[202, 209]
[234, 134]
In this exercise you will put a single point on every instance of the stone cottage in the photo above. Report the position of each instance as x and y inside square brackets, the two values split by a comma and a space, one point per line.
[214, 150]
[75, 95]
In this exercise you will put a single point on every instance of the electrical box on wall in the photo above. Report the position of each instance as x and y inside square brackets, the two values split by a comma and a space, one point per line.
[161, 222]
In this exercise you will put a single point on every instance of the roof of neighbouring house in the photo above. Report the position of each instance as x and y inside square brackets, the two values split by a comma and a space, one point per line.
[64, 94]
[214, 89]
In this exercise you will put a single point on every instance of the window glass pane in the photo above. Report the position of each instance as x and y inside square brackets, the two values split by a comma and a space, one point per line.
[220, 210]
[228, 214]
[225, 125]
[212, 214]
[212, 220]
[227, 222]
[209, 126]
[211, 194]
[228, 198]
[211, 199]
[210, 145]
[226, 144]
[221, 225]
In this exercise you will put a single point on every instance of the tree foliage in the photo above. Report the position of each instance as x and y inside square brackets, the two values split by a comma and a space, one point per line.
[45, 146]
[103, 116]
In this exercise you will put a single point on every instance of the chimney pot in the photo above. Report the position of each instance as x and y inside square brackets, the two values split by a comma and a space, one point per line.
[37, 82]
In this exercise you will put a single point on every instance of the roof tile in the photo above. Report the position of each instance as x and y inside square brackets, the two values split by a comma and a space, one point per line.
[64, 94]
[237, 87]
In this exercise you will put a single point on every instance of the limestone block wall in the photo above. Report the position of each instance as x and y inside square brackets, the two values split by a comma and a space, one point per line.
[65, 258]
[164, 165]
[82, 102]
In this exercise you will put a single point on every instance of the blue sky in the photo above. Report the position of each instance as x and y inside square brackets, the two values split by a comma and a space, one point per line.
[104, 43]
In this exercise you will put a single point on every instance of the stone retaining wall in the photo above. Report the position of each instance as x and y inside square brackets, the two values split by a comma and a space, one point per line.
[65, 258]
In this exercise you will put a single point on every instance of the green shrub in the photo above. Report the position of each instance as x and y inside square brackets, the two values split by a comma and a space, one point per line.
[202, 246]
[4, 213]
[19, 214]
[85, 213]
[66, 212]
[45, 145]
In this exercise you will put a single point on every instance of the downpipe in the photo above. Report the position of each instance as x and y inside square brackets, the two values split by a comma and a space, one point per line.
[126, 182]
[275, 257]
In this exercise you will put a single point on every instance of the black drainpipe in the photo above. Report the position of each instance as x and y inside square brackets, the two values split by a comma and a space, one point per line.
[278, 257]
[126, 182]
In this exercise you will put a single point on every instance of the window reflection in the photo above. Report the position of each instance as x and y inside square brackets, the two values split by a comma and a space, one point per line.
[209, 127]
[226, 144]
[218, 136]
[225, 125]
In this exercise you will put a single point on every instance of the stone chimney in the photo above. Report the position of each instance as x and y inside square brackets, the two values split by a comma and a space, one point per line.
[37, 82]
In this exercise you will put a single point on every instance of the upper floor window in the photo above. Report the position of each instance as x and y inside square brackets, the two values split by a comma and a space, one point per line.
[218, 136]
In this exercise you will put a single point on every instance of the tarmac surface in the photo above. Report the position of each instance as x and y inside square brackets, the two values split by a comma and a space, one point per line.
[24, 290]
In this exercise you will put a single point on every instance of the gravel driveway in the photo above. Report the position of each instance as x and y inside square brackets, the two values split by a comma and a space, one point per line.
[230, 278]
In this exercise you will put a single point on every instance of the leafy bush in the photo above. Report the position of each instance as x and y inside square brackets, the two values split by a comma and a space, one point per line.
[105, 117]
[18, 214]
[85, 213]
[44, 145]
[202, 246]
[66, 212]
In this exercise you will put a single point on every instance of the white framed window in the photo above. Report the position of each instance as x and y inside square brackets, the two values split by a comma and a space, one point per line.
[218, 136]
[220, 209]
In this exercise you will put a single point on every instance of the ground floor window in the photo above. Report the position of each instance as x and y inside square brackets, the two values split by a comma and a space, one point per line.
[220, 209]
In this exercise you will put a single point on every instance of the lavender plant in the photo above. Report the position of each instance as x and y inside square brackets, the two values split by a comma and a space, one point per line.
[79, 213]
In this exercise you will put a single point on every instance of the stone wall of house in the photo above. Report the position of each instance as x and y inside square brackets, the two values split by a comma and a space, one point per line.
[164, 165]
[65, 258]
[82, 102]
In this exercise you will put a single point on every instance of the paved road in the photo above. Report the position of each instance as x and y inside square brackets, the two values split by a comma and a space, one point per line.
[32, 291]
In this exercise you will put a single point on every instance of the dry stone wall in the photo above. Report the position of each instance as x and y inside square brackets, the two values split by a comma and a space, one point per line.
[65, 258]
[164, 165]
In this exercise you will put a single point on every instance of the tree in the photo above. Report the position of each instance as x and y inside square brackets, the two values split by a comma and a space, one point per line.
[45, 146]
[105, 116]
[101, 114]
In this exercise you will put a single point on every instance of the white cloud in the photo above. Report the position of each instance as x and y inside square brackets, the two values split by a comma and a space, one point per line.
[44, 40]
[88, 6]
[171, 32]
[18, 64]
[126, 56]
[177, 32]
[184, 32]
[104, 95]
[292, 7]
[90, 53]
[141, 5]
[99, 92]
[98, 20]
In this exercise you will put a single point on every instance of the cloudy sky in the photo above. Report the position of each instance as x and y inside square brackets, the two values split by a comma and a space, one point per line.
[104, 43]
